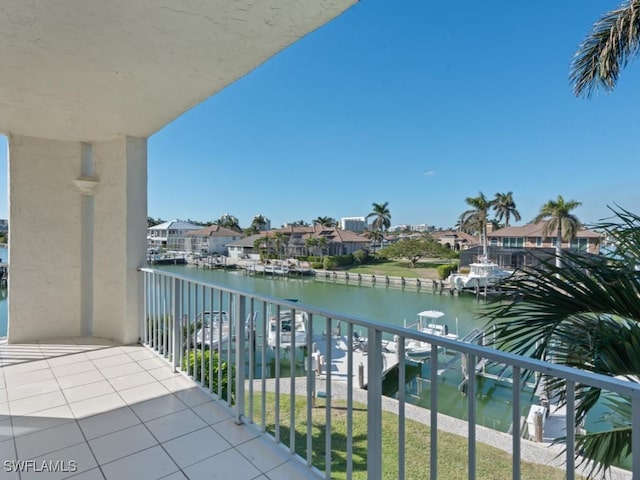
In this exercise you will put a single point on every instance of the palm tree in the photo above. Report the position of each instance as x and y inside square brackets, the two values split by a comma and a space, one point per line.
[279, 240]
[505, 208]
[259, 222]
[478, 217]
[382, 216]
[612, 41]
[375, 236]
[325, 221]
[587, 318]
[311, 243]
[561, 221]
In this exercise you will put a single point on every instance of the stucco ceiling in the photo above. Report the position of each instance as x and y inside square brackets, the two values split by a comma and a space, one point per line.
[91, 70]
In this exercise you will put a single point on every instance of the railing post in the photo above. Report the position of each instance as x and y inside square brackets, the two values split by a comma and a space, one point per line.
[176, 309]
[240, 315]
[374, 406]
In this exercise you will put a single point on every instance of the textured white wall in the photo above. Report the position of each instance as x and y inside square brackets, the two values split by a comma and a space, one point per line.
[44, 263]
[119, 237]
[49, 295]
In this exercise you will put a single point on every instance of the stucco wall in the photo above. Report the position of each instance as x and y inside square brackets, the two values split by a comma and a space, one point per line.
[44, 263]
[120, 237]
[73, 255]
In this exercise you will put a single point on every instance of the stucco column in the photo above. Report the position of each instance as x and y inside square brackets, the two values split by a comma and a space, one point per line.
[78, 221]
[119, 237]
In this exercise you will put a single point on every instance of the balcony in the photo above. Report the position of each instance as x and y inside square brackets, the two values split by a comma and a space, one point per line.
[90, 408]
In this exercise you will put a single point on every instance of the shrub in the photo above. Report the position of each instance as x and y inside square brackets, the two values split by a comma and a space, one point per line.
[329, 263]
[445, 270]
[192, 366]
[317, 265]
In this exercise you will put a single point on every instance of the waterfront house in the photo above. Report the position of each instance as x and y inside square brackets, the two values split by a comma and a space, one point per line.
[86, 84]
[526, 245]
[211, 240]
[455, 240]
[171, 235]
[337, 241]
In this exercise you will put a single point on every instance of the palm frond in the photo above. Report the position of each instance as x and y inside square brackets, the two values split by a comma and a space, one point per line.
[612, 41]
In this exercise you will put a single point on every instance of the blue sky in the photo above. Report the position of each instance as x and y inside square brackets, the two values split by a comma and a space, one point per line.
[418, 103]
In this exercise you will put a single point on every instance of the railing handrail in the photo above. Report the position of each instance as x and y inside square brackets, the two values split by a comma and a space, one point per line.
[604, 382]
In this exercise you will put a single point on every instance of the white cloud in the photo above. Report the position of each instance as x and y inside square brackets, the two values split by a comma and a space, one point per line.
[429, 173]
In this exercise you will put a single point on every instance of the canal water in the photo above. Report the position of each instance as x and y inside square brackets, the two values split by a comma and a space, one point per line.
[392, 305]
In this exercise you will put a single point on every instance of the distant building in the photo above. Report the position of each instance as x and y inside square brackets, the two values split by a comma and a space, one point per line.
[211, 240]
[455, 240]
[353, 224]
[170, 235]
[267, 222]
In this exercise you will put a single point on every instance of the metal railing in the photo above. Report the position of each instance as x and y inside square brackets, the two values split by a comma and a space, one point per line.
[242, 347]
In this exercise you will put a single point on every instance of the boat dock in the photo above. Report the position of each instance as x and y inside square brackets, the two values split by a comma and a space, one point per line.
[340, 346]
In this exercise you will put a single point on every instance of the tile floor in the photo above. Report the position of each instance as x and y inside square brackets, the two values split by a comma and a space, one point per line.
[89, 409]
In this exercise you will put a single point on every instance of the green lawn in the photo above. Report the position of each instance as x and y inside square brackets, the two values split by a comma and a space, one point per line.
[492, 463]
[401, 268]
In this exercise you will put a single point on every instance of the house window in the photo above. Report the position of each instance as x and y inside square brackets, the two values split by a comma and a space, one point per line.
[512, 242]
[554, 242]
[538, 241]
[580, 244]
[494, 242]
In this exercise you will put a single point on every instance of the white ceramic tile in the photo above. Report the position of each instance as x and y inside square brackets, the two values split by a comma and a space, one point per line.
[193, 396]
[103, 352]
[31, 389]
[121, 443]
[134, 380]
[143, 393]
[195, 446]
[234, 434]
[228, 464]
[83, 392]
[175, 476]
[6, 430]
[82, 378]
[264, 453]
[149, 464]
[158, 407]
[96, 405]
[211, 412]
[73, 368]
[45, 441]
[3, 395]
[292, 470]
[112, 361]
[140, 353]
[93, 474]
[151, 363]
[36, 403]
[7, 450]
[70, 460]
[29, 366]
[121, 370]
[92, 342]
[175, 425]
[41, 420]
[163, 373]
[13, 379]
[67, 359]
[108, 422]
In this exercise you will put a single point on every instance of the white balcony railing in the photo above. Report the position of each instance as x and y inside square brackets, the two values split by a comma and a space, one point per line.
[188, 319]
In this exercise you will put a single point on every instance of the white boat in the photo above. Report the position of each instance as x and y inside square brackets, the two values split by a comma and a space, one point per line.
[214, 327]
[426, 322]
[481, 274]
[287, 328]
